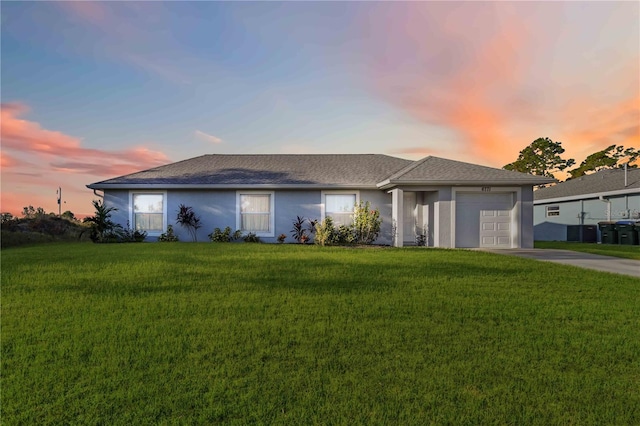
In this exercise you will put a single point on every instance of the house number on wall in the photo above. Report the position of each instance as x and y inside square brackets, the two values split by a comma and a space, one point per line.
[486, 189]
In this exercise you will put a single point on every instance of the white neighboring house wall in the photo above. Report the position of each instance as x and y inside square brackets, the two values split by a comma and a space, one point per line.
[552, 216]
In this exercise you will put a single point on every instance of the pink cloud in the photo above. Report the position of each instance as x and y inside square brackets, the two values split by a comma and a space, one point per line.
[207, 137]
[24, 136]
[487, 73]
[35, 161]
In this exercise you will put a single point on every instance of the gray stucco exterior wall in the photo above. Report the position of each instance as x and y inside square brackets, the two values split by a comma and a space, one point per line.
[443, 212]
[526, 217]
[218, 209]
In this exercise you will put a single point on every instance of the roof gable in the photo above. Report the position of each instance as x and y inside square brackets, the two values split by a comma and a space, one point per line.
[439, 171]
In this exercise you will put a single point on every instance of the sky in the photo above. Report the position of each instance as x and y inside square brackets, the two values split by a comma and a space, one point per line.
[95, 90]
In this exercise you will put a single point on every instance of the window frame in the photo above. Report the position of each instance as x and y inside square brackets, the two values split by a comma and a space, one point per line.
[164, 210]
[552, 211]
[272, 203]
[323, 204]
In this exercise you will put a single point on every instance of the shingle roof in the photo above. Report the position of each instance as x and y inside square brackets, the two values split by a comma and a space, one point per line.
[435, 170]
[597, 183]
[319, 170]
[277, 169]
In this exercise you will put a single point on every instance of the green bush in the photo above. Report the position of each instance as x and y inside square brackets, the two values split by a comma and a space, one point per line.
[224, 236]
[366, 223]
[169, 236]
[251, 238]
[364, 230]
[325, 232]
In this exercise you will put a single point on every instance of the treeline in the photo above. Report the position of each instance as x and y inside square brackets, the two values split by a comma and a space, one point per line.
[36, 226]
[543, 157]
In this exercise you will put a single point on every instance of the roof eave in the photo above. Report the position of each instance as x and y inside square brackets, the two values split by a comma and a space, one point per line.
[392, 183]
[590, 196]
[107, 186]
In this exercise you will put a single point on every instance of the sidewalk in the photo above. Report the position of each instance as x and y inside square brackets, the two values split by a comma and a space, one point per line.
[583, 260]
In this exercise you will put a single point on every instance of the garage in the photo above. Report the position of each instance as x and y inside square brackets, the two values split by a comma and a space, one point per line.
[484, 220]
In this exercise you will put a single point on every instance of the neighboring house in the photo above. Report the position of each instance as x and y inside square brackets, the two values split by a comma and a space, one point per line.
[453, 204]
[608, 195]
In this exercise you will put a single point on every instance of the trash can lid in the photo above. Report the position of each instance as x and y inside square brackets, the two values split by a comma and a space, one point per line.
[625, 222]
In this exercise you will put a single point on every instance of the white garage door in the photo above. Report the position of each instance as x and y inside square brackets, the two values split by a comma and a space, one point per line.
[484, 220]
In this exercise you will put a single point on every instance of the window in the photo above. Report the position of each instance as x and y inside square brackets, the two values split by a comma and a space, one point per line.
[339, 206]
[148, 212]
[553, 211]
[255, 213]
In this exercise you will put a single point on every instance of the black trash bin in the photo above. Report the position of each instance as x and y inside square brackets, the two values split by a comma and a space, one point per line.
[608, 232]
[582, 233]
[637, 228]
[627, 233]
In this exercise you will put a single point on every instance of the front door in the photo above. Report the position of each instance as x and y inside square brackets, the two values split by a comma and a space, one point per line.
[409, 218]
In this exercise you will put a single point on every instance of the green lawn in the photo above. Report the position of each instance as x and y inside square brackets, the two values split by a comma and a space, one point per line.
[616, 250]
[208, 333]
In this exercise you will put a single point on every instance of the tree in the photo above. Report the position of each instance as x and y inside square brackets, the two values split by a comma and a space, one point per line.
[33, 213]
[187, 218]
[6, 217]
[541, 158]
[68, 215]
[611, 157]
[103, 229]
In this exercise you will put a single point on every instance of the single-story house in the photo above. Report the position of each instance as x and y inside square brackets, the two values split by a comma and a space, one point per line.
[451, 203]
[608, 195]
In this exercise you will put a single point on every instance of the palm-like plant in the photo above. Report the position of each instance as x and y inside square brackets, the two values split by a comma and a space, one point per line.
[187, 218]
[102, 227]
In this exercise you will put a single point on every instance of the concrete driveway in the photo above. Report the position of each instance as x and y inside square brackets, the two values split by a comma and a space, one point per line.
[574, 258]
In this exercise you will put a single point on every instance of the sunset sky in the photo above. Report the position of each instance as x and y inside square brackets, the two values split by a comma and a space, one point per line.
[94, 90]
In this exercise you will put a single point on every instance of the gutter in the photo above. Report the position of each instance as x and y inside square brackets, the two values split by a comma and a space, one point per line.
[387, 184]
[109, 186]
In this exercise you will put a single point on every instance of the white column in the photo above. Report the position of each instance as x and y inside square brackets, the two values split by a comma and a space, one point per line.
[397, 215]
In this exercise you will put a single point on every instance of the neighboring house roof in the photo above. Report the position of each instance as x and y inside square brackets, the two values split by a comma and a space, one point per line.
[315, 170]
[440, 171]
[216, 170]
[604, 182]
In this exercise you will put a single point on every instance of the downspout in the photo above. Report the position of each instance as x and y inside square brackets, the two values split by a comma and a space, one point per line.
[98, 195]
[604, 200]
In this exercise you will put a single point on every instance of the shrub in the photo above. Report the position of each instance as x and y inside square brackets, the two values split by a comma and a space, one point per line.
[325, 232]
[366, 223]
[281, 238]
[251, 238]
[129, 235]
[298, 231]
[343, 235]
[187, 218]
[226, 236]
[301, 233]
[169, 236]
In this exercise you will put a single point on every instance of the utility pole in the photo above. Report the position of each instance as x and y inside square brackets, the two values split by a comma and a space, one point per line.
[59, 192]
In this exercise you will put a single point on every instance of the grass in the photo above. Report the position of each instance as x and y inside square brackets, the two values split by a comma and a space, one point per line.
[205, 333]
[615, 250]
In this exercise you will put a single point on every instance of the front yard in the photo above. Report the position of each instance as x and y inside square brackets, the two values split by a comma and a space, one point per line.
[284, 334]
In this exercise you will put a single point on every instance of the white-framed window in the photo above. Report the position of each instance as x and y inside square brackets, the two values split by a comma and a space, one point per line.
[255, 212]
[553, 211]
[339, 205]
[149, 212]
